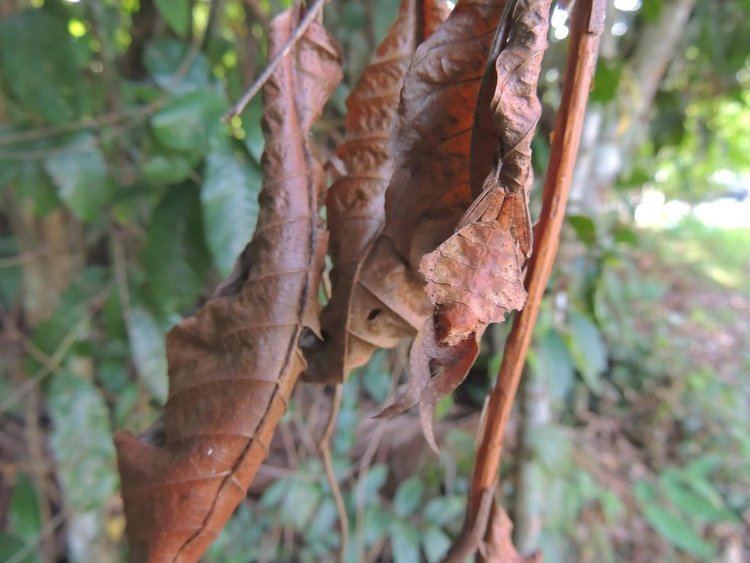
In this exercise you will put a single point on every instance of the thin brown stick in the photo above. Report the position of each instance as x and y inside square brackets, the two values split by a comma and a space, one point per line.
[255, 87]
[588, 22]
[324, 447]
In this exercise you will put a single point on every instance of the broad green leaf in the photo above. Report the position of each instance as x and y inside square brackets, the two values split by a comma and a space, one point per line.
[300, 501]
[588, 349]
[376, 523]
[408, 497]
[444, 510]
[606, 80]
[375, 480]
[677, 532]
[35, 187]
[38, 66]
[435, 543]
[584, 227]
[175, 255]
[187, 122]
[166, 60]
[230, 204]
[80, 174]
[146, 335]
[24, 517]
[162, 169]
[177, 15]
[404, 541]
[80, 423]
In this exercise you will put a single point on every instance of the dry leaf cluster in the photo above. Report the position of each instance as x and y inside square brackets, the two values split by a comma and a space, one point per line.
[429, 237]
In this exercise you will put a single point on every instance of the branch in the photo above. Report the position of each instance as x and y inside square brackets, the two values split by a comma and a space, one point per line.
[312, 12]
[587, 26]
[324, 447]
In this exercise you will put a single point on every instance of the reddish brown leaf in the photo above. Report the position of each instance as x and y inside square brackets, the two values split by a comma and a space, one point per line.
[426, 195]
[233, 365]
[499, 546]
[475, 277]
[355, 206]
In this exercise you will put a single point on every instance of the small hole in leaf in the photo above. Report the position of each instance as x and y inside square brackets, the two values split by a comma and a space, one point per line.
[373, 314]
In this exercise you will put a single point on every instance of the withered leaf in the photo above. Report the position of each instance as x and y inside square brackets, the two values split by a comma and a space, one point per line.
[355, 206]
[475, 276]
[427, 193]
[499, 546]
[233, 365]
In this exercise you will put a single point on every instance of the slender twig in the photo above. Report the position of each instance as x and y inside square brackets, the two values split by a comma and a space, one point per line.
[587, 26]
[255, 87]
[324, 447]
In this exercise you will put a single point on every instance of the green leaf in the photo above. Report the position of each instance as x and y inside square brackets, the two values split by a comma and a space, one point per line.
[691, 503]
[443, 510]
[38, 66]
[552, 362]
[175, 255]
[230, 204]
[588, 349]
[34, 185]
[24, 517]
[189, 120]
[677, 532]
[80, 174]
[80, 419]
[584, 227]
[254, 140]
[606, 80]
[375, 480]
[435, 543]
[165, 60]
[375, 378]
[164, 170]
[300, 501]
[404, 542]
[146, 335]
[408, 496]
[177, 15]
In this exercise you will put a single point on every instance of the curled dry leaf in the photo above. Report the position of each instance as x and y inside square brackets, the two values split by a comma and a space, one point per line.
[355, 206]
[475, 277]
[383, 299]
[233, 365]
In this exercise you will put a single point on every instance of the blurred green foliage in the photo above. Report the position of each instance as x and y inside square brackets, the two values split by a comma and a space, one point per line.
[119, 178]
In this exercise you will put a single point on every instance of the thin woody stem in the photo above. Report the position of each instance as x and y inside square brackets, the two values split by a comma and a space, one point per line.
[587, 26]
[264, 76]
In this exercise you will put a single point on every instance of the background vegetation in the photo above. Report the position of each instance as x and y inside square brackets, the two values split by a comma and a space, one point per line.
[125, 200]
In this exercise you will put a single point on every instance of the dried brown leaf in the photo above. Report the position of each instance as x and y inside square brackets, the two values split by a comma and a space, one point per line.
[233, 365]
[499, 546]
[475, 276]
[355, 205]
[430, 153]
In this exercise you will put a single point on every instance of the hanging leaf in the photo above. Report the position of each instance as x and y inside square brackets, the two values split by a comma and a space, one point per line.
[355, 208]
[80, 174]
[475, 277]
[500, 540]
[232, 367]
[588, 349]
[229, 196]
